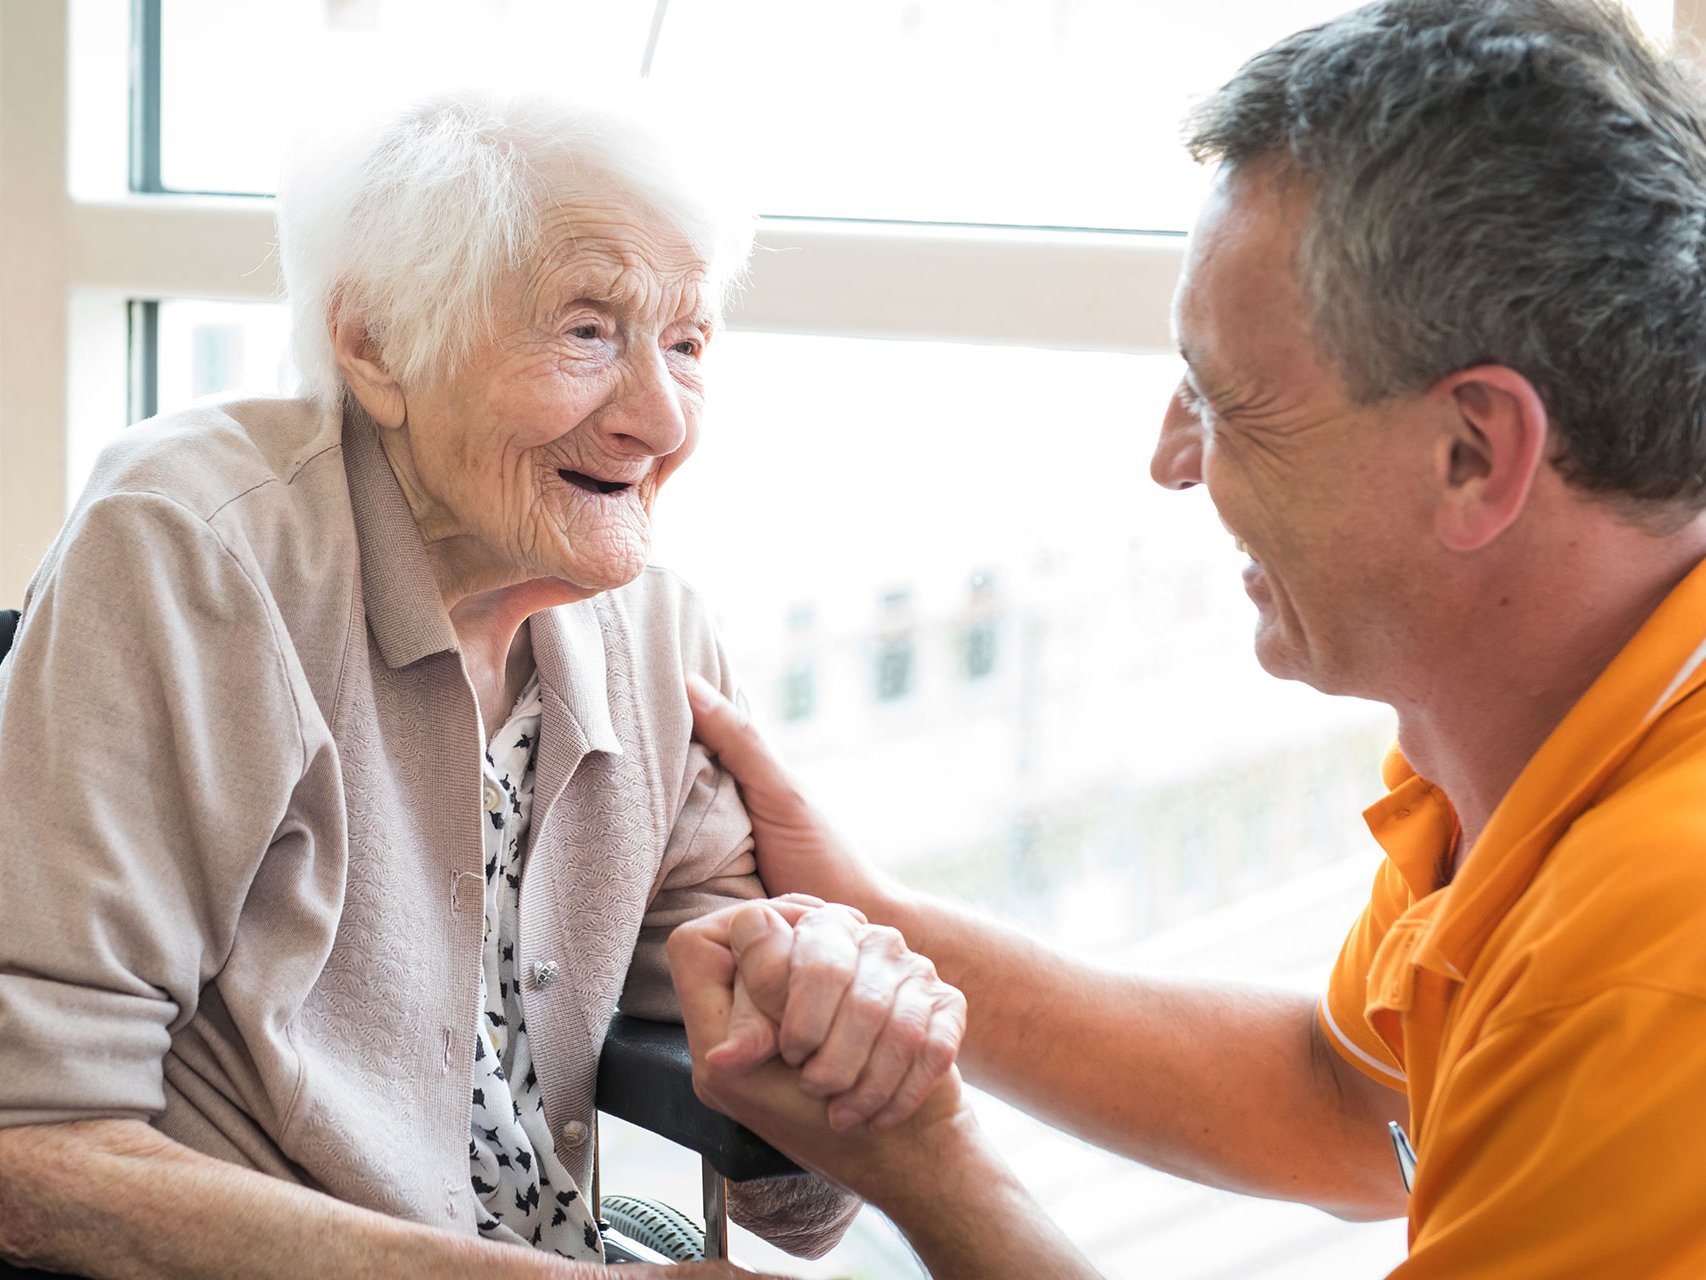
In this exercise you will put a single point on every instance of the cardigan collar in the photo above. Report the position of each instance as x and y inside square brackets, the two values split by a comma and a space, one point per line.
[405, 611]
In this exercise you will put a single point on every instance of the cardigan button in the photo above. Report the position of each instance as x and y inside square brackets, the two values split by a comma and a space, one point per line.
[544, 972]
[574, 1132]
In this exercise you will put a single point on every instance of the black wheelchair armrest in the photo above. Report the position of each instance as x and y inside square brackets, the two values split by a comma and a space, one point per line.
[645, 1077]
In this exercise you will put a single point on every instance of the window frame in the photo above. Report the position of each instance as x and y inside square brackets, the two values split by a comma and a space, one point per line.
[86, 231]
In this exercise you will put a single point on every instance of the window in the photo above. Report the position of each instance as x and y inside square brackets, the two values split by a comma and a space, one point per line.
[978, 641]
[1054, 713]
[1018, 112]
[799, 671]
[209, 347]
[896, 647]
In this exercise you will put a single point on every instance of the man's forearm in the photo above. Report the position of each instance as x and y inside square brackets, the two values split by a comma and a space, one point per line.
[1233, 1088]
[1228, 1086]
[968, 1216]
[113, 1198]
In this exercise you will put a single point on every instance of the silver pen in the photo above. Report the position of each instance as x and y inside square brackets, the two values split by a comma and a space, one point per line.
[1406, 1154]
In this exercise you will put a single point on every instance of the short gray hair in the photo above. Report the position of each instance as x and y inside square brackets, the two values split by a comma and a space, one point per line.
[404, 225]
[1515, 182]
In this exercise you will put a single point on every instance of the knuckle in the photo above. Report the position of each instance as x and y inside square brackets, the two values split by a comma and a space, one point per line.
[796, 1032]
[937, 1055]
[866, 1004]
[823, 970]
[796, 1042]
[910, 1035]
[838, 1083]
[888, 938]
[911, 1092]
[832, 1077]
[867, 1100]
[831, 921]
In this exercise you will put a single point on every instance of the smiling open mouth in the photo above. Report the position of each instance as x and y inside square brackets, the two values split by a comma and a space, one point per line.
[592, 484]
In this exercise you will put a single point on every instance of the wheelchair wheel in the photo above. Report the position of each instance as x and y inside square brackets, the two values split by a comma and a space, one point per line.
[656, 1226]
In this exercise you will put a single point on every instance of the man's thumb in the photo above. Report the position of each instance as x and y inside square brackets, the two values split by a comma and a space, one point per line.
[751, 1038]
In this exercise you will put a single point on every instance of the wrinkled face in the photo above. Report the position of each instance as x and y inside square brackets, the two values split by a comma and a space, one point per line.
[1327, 498]
[542, 456]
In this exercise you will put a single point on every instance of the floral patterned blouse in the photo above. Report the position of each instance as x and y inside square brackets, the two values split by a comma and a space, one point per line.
[524, 1194]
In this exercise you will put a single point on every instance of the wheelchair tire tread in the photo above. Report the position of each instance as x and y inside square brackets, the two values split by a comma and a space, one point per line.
[657, 1226]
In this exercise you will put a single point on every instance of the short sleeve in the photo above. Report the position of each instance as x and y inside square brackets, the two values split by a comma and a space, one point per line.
[149, 742]
[1341, 1010]
[1567, 1145]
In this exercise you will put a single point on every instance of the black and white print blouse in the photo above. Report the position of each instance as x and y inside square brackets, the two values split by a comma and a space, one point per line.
[523, 1194]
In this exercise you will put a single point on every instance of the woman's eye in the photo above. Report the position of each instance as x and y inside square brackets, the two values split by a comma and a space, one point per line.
[585, 332]
[686, 347]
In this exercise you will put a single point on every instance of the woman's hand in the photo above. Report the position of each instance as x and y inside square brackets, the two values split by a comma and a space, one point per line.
[868, 1023]
[104, 1198]
[797, 850]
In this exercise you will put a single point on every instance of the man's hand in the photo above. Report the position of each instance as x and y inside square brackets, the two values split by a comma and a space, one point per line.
[735, 975]
[797, 850]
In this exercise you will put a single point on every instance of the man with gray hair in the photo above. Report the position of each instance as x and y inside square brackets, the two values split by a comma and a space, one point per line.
[1444, 325]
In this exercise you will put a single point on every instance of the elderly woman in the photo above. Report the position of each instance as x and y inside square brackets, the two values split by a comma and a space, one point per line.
[345, 759]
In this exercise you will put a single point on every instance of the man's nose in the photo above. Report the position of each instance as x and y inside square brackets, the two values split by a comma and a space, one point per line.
[1177, 461]
[646, 416]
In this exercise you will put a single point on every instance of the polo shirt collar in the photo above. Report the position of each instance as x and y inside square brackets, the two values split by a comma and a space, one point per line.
[1414, 823]
[405, 609]
[1662, 664]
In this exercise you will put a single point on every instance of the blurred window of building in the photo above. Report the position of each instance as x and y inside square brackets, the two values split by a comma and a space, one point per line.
[800, 663]
[897, 647]
[980, 639]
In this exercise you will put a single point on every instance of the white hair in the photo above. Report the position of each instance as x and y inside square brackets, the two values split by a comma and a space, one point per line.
[405, 225]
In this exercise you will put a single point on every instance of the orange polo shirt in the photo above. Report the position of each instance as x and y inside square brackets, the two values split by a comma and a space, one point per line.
[1546, 1011]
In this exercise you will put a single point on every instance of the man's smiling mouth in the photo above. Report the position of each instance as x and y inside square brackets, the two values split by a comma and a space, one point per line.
[592, 484]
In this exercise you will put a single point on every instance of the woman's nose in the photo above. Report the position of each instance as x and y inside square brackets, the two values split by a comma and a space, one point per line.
[646, 415]
[1177, 461]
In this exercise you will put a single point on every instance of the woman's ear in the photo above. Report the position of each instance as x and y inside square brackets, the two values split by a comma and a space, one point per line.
[1492, 446]
[368, 379]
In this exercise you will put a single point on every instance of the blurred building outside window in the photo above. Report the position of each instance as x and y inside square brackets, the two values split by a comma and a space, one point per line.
[979, 643]
[897, 647]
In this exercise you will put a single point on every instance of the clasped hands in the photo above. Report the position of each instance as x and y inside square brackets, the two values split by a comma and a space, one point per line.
[822, 1032]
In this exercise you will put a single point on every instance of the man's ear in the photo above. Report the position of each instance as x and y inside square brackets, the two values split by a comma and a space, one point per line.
[367, 378]
[1488, 454]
